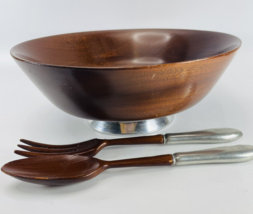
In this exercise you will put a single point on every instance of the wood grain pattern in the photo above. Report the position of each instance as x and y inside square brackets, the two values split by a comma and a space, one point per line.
[68, 169]
[126, 75]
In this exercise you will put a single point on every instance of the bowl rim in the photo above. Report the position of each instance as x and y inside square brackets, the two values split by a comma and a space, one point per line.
[127, 67]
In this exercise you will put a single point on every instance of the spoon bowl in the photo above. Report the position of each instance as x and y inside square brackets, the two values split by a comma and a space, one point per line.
[55, 170]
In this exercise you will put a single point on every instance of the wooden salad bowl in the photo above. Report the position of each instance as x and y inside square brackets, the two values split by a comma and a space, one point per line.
[126, 75]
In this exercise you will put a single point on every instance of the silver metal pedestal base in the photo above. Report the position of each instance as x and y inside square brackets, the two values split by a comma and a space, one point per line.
[132, 127]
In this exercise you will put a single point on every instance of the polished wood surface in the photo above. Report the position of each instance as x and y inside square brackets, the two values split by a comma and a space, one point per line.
[126, 75]
[86, 148]
[68, 169]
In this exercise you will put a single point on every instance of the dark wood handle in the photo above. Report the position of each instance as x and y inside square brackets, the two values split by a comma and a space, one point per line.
[161, 160]
[157, 139]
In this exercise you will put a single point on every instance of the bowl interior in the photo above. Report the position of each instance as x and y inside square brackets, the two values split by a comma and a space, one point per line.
[125, 48]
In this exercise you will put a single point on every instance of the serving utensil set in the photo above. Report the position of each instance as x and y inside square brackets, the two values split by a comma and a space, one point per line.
[65, 164]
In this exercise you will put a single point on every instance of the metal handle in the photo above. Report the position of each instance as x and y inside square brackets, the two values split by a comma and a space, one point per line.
[226, 154]
[222, 135]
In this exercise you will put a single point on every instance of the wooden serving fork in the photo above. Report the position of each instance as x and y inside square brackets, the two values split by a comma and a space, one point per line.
[92, 147]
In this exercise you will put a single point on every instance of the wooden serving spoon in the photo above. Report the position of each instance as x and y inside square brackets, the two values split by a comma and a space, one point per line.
[67, 169]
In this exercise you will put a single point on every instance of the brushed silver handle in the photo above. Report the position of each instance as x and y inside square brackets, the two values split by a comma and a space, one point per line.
[226, 154]
[222, 135]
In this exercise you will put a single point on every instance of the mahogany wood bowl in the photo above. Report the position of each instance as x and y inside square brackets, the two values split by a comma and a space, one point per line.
[126, 75]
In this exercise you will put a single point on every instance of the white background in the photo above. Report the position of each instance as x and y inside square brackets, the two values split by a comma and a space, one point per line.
[26, 113]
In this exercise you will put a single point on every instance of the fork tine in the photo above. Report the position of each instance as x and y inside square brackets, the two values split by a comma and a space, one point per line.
[35, 154]
[46, 150]
[28, 154]
[42, 145]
